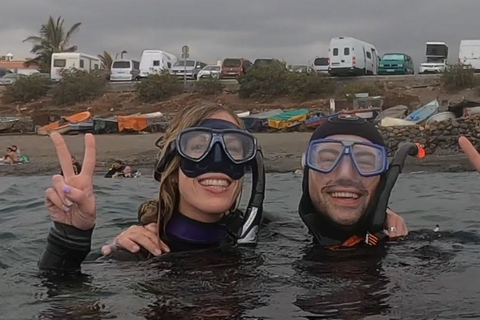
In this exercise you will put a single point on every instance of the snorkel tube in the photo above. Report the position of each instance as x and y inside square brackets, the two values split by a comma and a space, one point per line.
[253, 215]
[375, 233]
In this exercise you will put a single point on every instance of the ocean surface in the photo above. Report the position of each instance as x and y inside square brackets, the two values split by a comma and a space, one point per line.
[433, 275]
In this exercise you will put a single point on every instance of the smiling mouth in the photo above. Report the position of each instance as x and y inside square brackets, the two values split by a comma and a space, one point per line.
[345, 195]
[215, 183]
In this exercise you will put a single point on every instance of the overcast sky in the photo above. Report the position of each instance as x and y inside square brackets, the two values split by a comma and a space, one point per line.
[293, 30]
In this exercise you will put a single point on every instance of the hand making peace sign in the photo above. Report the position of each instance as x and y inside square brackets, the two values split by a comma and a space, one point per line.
[71, 200]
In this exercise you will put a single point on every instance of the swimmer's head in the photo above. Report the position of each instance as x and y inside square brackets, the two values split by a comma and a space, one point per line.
[206, 196]
[344, 164]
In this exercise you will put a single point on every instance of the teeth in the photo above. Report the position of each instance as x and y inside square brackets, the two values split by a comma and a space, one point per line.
[349, 195]
[215, 183]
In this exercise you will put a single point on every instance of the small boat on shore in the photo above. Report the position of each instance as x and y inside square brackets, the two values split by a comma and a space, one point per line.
[243, 114]
[63, 125]
[7, 123]
[440, 117]
[424, 112]
[398, 112]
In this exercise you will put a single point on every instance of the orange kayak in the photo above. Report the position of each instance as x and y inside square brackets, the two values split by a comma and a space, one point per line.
[63, 126]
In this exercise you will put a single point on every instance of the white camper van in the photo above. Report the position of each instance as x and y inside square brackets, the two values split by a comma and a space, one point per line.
[437, 55]
[154, 61]
[469, 54]
[72, 60]
[350, 56]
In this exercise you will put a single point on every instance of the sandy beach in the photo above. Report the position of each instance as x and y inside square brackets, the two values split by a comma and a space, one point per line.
[282, 152]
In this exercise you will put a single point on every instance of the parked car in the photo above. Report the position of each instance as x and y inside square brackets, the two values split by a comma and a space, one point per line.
[4, 71]
[259, 62]
[396, 63]
[189, 67]
[321, 65]
[9, 78]
[209, 71]
[235, 67]
[125, 70]
[300, 68]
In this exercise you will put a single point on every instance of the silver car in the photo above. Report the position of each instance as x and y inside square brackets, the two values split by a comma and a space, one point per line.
[9, 78]
[210, 71]
[189, 67]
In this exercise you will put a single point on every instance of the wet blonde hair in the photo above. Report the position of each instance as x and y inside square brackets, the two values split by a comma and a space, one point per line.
[160, 210]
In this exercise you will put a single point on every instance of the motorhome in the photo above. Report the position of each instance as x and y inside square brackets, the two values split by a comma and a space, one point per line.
[156, 61]
[350, 56]
[437, 55]
[469, 54]
[125, 70]
[62, 61]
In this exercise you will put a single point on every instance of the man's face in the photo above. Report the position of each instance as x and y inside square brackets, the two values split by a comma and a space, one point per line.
[342, 194]
[116, 165]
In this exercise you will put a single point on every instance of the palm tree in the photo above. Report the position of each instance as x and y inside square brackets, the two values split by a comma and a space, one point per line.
[52, 38]
[106, 60]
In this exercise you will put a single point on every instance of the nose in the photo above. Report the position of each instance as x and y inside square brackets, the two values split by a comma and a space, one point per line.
[346, 168]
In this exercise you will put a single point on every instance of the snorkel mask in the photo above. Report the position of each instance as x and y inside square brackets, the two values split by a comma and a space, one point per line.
[219, 146]
[369, 159]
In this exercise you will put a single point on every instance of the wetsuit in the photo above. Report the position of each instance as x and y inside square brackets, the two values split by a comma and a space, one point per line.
[114, 170]
[67, 246]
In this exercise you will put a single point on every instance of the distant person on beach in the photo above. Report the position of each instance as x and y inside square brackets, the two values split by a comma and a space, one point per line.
[77, 167]
[16, 150]
[10, 156]
[116, 168]
[203, 159]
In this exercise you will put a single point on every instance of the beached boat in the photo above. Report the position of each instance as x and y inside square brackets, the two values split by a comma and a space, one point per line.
[439, 117]
[288, 119]
[316, 121]
[257, 122]
[105, 125]
[424, 112]
[398, 112]
[63, 125]
[86, 126]
[7, 123]
[139, 122]
[394, 122]
[368, 114]
[243, 114]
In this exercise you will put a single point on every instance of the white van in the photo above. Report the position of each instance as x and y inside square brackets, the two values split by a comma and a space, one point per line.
[72, 60]
[125, 70]
[350, 56]
[154, 61]
[469, 54]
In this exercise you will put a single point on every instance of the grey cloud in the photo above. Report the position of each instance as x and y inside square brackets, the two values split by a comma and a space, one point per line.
[293, 30]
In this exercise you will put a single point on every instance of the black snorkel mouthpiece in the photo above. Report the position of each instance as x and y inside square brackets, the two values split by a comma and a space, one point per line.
[375, 232]
[253, 215]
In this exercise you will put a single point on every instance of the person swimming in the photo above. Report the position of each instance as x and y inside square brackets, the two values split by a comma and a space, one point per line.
[115, 169]
[204, 156]
[344, 177]
[346, 185]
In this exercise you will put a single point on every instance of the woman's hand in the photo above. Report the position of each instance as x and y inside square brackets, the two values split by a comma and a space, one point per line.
[138, 236]
[71, 200]
[395, 225]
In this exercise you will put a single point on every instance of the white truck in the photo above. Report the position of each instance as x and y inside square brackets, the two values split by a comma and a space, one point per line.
[155, 61]
[437, 55]
[72, 60]
[350, 56]
[469, 54]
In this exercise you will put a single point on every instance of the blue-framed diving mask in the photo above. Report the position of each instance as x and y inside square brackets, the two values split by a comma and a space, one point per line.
[324, 155]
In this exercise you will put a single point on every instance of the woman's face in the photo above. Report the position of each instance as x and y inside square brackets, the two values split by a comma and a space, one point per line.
[207, 197]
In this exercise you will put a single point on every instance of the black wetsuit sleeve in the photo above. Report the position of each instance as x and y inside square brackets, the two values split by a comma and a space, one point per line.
[110, 172]
[66, 249]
